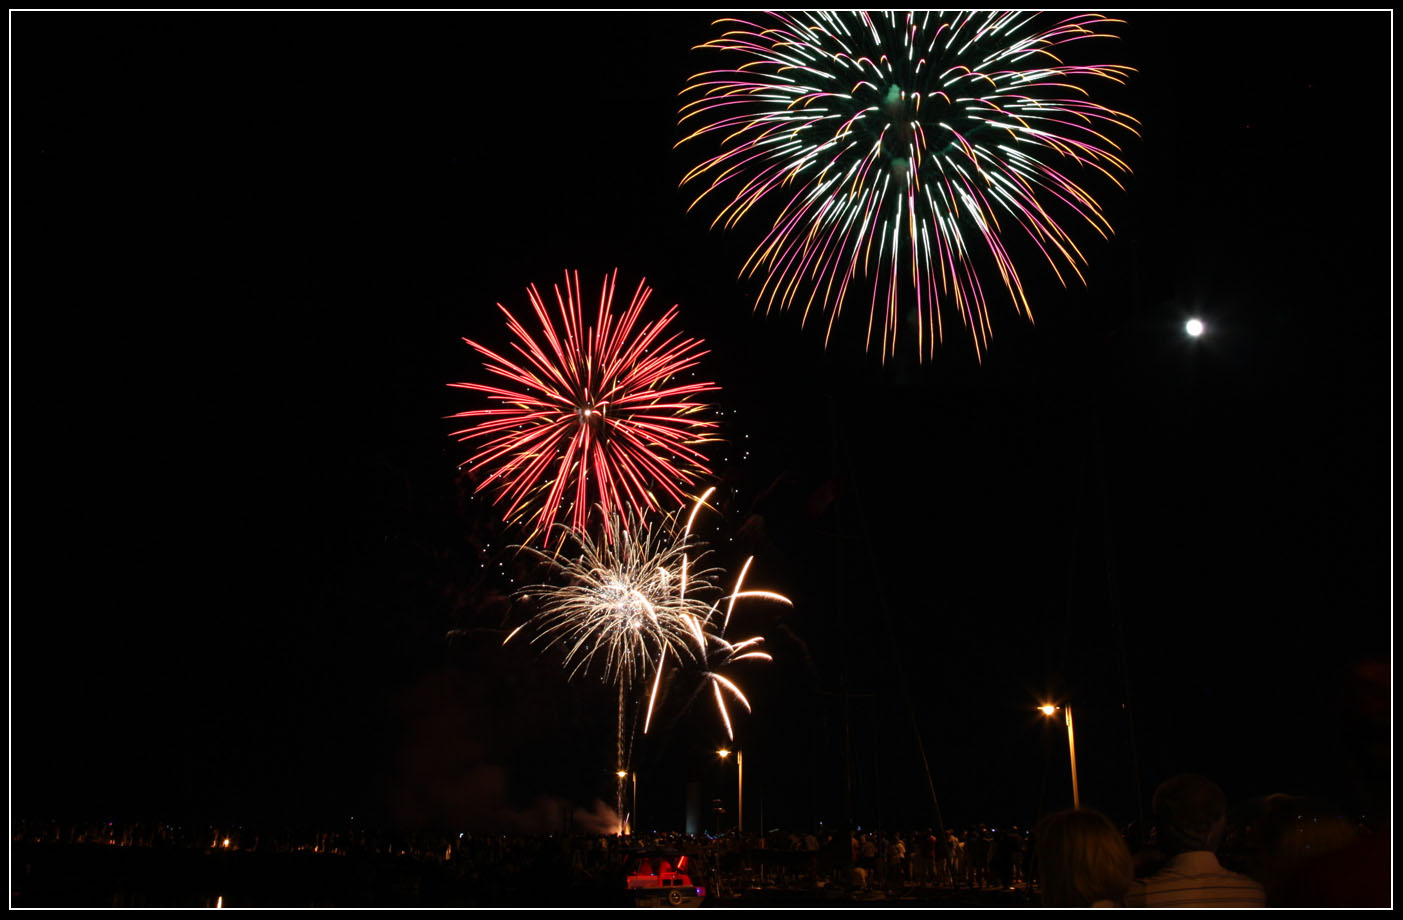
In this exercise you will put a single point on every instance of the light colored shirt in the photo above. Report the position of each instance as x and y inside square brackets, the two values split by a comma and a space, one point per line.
[1195, 879]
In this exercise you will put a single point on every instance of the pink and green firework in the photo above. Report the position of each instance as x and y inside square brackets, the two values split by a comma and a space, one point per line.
[589, 416]
[899, 151]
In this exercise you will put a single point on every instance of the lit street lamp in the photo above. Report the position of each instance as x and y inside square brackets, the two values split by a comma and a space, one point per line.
[740, 785]
[1048, 709]
[626, 825]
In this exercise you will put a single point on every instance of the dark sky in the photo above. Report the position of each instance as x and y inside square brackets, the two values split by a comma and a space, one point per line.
[247, 582]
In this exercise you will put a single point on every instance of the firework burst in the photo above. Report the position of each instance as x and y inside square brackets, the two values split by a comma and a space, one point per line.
[901, 148]
[622, 604]
[628, 604]
[589, 415]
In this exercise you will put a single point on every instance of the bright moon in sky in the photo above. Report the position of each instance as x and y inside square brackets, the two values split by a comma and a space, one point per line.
[1194, 327]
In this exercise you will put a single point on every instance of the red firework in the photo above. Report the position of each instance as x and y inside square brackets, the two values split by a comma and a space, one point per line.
[589, 415]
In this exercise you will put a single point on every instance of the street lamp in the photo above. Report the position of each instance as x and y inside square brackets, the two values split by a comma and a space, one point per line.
[626, 826]
[740, 785]
[623, 823]
[1049, 709]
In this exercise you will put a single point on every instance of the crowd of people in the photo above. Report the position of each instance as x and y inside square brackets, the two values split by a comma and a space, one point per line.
[1279, 851]
[1286, 852]
[1291, 857]
[975, 857]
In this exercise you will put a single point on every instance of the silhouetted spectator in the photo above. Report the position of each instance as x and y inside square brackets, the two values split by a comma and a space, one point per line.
[977, 851]
[1191, 816]
[957, 862]
[1083, 860]
[867, 859]
[896, 862]
[1314, 857]
[923, 859]
[1005, 855]
[990, 845]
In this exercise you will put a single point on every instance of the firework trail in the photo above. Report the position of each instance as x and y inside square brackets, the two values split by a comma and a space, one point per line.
[899, 150]
[588, 416]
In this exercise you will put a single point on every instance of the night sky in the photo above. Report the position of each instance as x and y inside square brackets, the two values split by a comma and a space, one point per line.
[249, 582]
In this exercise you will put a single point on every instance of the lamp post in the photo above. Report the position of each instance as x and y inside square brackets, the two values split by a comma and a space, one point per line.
[1049, 709]
[740, 785]
[623, 821]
